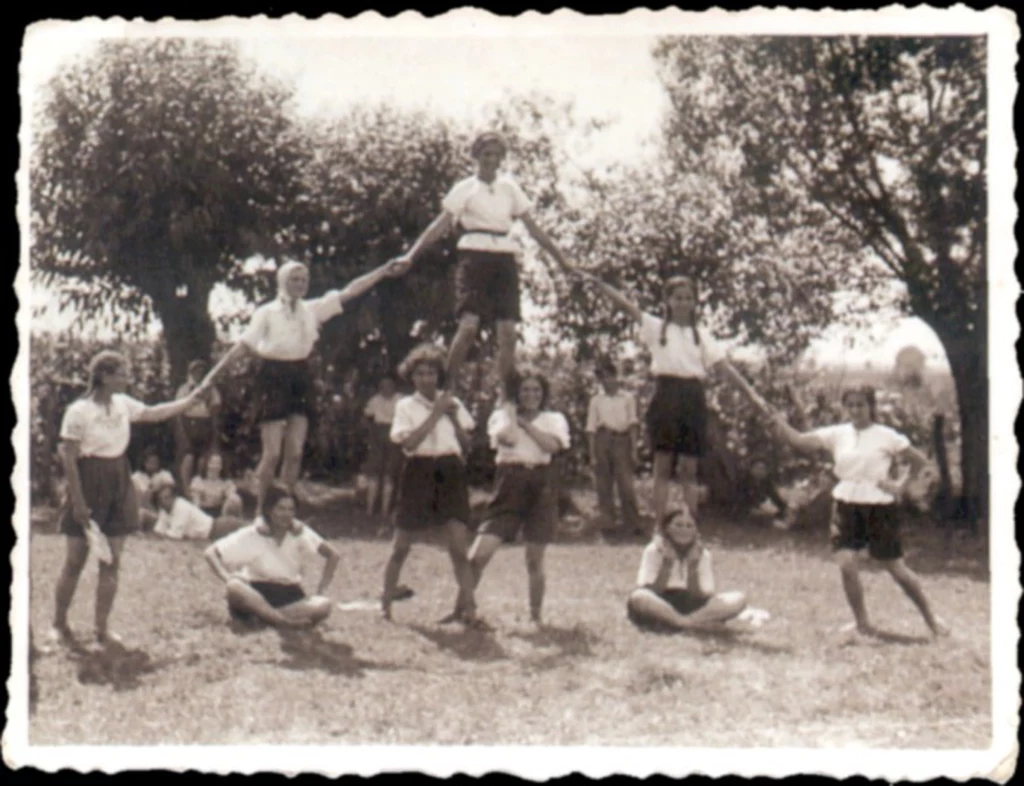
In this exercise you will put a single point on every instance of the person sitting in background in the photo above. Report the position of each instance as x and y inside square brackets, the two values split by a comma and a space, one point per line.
[179, 519]
[613, 430]
[757, 486]
[215, 495]
[261, 567]
[146, 481]
[197, 431]
[694, 604]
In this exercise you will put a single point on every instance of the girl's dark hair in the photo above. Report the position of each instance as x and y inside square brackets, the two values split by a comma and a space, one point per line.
[273, 495]
[663, 529]
[486, 138]
[605, 367]
[149, 450]
[430, 354]
[106, 362]
[515, 382]
[867, 392]
[671, 286]
[197, 365]
[204, 462]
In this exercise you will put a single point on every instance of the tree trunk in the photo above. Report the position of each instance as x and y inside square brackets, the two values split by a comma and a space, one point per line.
[188, 328]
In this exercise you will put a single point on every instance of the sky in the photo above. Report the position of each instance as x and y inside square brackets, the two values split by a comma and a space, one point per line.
[612, 78]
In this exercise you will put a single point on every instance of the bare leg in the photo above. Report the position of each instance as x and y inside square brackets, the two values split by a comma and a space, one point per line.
[507, 338]
[294, 446]
[850, 571]
[720, 607]
[386, 495]
[399, 551]
[458, 548]
[308, 611]
[691, 492]
[537, 580]
[185, 470]
[106, 588]
[242, 597]
[911, 585]
[272, 437]
[480, 553]
[469, 324]
[662, 477]
[371, 494]
[74, 562]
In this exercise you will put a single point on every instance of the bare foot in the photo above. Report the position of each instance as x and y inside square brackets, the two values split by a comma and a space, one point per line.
[941, 629]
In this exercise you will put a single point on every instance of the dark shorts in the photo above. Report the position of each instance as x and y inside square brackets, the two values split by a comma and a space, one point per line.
[432, 492]
[197, 435]
[524, 498]
[677, 417]
[277, 595]
[283, 388]
[678, 598]
[110, 496]
[875, 527]
[385, 457]
[487, 285]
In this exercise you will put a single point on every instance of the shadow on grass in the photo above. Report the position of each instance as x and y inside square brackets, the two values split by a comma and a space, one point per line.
[464, 643]
[116, 666]
[309, 650]
[571, 642]
[891, 637]
[725, 640]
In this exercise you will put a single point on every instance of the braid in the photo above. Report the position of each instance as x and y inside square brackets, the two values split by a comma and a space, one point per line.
[664, 326]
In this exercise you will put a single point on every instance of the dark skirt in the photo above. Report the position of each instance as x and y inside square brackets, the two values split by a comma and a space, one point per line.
[284, 388]
[432, 491]
[110, 495]
[678, 416]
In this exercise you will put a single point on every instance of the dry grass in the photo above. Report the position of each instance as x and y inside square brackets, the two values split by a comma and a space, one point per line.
[589, 679]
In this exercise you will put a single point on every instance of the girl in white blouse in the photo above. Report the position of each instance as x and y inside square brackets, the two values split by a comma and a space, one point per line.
[282, 333]
[866, 515]
[432, 429]
[94, 436]
[526, 435]
[682, 356]
[484, 207]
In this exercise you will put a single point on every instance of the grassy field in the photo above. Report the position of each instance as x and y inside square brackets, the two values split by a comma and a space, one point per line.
[589, 678]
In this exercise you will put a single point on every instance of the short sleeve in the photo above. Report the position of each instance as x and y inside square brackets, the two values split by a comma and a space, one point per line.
[163, 525]
[895, 441]
[591, 426]
[829, 435]
[256, 329]
[233, 548]
[520, 202]
[496, 423]
[652, 566]
[712, 350]
[135, 408]
[558, 427]
[326, 306]
[74, 425]
[311, 539]
[402, 426]
[456, 199]
[371, 407]
[650, 329]
[464, 418]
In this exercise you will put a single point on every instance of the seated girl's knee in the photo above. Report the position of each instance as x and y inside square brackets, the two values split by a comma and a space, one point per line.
[235, 586]
[734, 599]
[320, 607]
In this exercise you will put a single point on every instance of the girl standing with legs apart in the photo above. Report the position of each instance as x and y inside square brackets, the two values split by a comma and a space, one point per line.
[431, 428]
[526, 492]
[94, 436]
[484, 207]
[866, 513]
[282, 333]
[694, 603]
[682, 354]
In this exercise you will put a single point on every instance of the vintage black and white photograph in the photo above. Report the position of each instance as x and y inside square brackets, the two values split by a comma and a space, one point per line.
[426, 394]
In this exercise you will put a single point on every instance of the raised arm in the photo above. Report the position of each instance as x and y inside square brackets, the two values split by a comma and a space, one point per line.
[368, 281]
[169, 409]
[728, 370]
[620, 301]
[240, 348]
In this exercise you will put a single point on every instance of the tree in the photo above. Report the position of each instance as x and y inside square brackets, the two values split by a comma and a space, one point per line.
[159, 165]
[876, 147]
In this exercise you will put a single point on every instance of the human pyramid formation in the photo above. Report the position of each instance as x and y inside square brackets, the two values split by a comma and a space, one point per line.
[259, 563]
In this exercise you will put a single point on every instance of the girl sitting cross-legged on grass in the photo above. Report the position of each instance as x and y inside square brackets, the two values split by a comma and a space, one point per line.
[261, 566]
[655, 605]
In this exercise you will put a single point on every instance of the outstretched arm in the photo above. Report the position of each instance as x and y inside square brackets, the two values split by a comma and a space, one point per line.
[438, 228]
[621, 302]
[240, 348]
[169, 409]
[734, 376]
[544, 240]
[808, 443]
[367, 281]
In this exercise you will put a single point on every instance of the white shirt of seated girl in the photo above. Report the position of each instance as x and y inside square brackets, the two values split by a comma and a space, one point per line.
[656, 565]
[101, 431]
[145, 484]
[525, 450]
[411, 411]
[279, 332]
[493, 207]
[862, 458]
[681, 356]
[184, 521]
[254, 554]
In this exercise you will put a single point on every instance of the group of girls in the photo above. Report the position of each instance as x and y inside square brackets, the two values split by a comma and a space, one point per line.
[431, 427]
